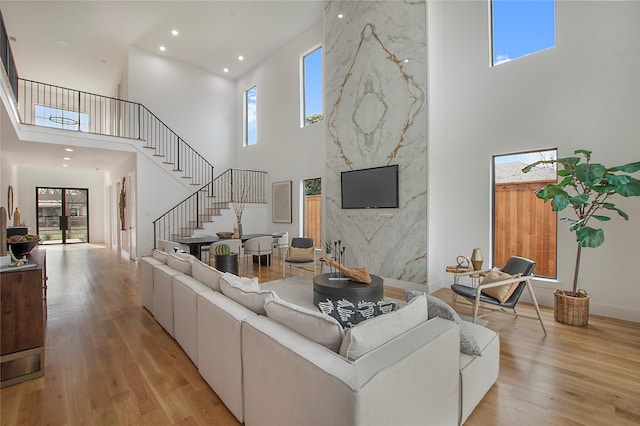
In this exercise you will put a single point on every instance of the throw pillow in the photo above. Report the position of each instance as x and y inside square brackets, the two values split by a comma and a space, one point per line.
[503, 292]
[438, 308]
[206, 274]
[372, 334]
[348, 314]
[300, 253]
[179, 263]
[313, 325]
[159, 255]
[244, 293]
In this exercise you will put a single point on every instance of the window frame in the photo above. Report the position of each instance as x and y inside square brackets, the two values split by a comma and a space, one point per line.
[494, 224]
[246, 114]
[492, 61]
[303, 87]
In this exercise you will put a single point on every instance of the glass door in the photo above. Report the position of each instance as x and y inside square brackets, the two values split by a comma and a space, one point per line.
[63, 215]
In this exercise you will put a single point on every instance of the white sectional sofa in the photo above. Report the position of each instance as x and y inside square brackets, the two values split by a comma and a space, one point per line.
[276, 362]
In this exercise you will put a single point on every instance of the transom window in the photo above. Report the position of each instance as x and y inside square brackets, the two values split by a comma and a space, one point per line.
[520, 28]
[250, 117]
[312, 87]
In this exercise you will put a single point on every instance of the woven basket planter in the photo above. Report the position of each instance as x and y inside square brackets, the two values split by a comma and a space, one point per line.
[571, 310]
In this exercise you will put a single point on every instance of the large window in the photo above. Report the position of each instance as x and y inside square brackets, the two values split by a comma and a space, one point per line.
[524, 225]
[61, 118]
[312, 87]
[520, 28]
[250, 117]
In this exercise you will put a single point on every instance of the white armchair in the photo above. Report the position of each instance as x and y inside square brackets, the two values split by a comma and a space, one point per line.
[259, 246]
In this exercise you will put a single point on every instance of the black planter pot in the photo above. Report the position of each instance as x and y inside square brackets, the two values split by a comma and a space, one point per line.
[227, 263]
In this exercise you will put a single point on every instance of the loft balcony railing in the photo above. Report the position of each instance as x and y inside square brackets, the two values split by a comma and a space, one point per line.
[6, 55]
[233, 186]
[42, 104]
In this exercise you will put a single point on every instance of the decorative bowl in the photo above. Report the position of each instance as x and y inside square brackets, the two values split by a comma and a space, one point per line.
[224, 234]
[22, 248]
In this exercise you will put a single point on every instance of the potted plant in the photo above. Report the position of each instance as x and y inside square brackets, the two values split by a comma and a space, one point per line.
[328, 247]
[225, 260]
[587, 188]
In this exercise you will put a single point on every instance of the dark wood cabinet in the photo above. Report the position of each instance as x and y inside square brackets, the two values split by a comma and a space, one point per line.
[23, 321]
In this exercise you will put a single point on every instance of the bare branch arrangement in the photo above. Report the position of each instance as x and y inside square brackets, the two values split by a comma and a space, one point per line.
[239, 203]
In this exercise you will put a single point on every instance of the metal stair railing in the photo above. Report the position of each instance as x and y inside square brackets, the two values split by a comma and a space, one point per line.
[58, 107]
[234, 186]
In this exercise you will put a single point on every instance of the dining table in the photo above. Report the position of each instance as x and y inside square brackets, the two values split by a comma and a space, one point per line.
[196, 243]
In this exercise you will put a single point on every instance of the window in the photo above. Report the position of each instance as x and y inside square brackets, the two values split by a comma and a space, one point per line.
[524, 225]
[312, 87]
[250, 117]
[61, 118]
[520, 28]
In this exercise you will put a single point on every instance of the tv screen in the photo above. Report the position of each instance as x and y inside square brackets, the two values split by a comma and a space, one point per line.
[374, 188]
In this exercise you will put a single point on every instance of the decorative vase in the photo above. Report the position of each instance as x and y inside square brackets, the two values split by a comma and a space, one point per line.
[16, 217]
[476, 259]
[239, 226]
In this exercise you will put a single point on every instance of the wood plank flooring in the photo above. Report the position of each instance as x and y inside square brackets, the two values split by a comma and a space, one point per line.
[108, 362]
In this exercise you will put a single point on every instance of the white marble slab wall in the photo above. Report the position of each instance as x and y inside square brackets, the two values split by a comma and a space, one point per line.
[375, 103]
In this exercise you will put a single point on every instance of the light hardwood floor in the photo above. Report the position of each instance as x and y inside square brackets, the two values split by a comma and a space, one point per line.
[109, 363]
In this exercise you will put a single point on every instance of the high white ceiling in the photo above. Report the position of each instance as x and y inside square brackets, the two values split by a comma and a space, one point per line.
[83, 44]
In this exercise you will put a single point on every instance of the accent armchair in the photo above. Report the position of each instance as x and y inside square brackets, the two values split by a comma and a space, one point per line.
[503, 291]
[300, 254]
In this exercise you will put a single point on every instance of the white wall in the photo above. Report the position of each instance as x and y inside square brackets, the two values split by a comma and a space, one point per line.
[584, 93]
[284, 150]
[197, 105]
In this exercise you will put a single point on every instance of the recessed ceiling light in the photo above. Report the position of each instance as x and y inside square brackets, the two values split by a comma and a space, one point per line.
[67, 159]
[162, 48]
[68, 149]
[340, 16]
[406, 61]
[174, 32]
[65, 165]
[225, 69]
[241, 58]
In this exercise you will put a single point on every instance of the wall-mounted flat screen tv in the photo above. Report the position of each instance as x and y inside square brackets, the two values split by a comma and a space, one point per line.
[374, 188]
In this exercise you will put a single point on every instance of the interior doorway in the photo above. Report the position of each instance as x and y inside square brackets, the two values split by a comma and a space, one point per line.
[62, 215]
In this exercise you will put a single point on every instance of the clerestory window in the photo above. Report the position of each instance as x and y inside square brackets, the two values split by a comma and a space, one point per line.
[520, 28]
[311, 93]
[250, 117]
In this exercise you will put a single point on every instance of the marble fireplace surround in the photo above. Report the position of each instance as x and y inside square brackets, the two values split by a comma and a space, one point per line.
[375, 97]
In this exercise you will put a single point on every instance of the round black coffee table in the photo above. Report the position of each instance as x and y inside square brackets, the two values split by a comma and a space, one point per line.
[325, 288]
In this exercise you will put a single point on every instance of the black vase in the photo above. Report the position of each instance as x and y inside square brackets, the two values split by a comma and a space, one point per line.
[227, 263]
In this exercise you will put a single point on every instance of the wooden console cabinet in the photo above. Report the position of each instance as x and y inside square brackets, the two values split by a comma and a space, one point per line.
[23, 321]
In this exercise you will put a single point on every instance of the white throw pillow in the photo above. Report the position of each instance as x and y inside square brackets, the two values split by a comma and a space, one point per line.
[244, 294]
[206, 274]
[159, 255]
[313, 325]
[246, 282]
[179, 263]
[373, 333]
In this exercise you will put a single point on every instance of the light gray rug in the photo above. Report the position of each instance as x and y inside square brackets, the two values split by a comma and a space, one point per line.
[468, 318]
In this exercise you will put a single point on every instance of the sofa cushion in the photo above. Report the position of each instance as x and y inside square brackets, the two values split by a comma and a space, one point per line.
[207, 275]
[503, 292]
[348, 314]
[159, 255]
[179, 263]
[313, 325]
[244, 292]
[371, 334]
[438, 308]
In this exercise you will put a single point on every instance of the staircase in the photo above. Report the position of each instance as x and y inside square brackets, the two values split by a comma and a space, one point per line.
[57, 107]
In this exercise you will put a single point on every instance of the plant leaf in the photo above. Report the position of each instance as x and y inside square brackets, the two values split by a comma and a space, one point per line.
[590, 174]
[590, 237]
[579, 200]
[629, 189]
[585, 152]
[618, 179]
[601, 218]
[611, 206]
[627, 168]
[559, 202]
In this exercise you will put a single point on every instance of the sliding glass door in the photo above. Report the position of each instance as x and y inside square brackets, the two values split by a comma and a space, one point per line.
[63, 215]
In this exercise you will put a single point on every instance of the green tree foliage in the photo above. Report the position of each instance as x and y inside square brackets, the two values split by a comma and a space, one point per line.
[313, 118]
